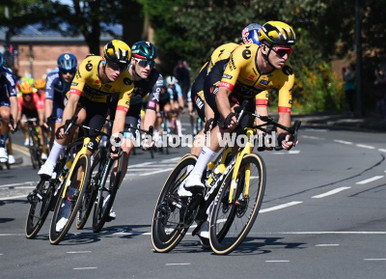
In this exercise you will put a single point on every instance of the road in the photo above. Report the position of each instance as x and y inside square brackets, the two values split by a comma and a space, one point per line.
[323, 216]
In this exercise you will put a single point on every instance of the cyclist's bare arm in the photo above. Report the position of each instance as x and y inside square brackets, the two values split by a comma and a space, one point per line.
[69, 111]
[48, 108]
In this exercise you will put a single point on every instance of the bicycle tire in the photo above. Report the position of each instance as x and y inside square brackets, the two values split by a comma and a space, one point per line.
[54, 236]
[39, 209]
[34, 149]
[91, 191]
[161, 239]
[221, 238]
[101, 213]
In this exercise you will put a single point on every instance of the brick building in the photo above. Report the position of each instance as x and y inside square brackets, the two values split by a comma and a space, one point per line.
[38, 51]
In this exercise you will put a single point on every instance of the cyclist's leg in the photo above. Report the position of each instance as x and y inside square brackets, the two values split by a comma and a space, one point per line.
[5, 114]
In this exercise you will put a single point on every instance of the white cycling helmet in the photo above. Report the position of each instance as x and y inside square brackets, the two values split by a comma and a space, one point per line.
[171, 80]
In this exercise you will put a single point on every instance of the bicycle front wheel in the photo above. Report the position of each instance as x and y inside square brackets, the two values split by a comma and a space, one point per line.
[230, 223]
[91, 190]
[40, 200]
[167, 228]
[82, 168]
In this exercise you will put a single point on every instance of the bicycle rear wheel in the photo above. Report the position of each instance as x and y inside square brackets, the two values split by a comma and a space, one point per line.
[33, 149]
[106, 197]
[84, 163]
[167, 228]
[230, 223]
[40, 200]
[91, 190]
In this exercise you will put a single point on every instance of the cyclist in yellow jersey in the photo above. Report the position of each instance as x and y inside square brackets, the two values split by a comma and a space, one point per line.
[96, 79]
[251, 70]
[220, 55]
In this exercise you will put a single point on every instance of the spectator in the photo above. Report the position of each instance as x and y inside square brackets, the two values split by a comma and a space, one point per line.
[380, 91]
[181, 72]
[349, 86]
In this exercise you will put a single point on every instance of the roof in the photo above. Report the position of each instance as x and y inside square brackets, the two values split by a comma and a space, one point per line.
[33, 34]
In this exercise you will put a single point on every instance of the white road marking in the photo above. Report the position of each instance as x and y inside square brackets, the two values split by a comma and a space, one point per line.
[285, 153]
[1, 254]
[277, 261]
[177, 264]
[343, 141]
[333, 232]
[312, 137]
[281, 206]
[20, 183]
[12, 234]
[85, 268]
[316, 130]
[78, 252]
[294, 151]
[327, 245]
[382, 150]
[140, 165]
[155, 172]
[332, 192]
[375, 259]
[370, 179]
[171, 159]
[365, 146]
[13, 198]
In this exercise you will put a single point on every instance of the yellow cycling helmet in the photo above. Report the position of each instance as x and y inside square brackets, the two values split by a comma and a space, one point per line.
[277, 33]
[40, 83]
[26, 88]
[117, 52]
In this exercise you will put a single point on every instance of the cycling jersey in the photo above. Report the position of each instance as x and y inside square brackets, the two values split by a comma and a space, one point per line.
[243, 78]
[87, 83]
[7, 86]
[34, 103]
[221, 53]
[175, 92]
[148, 90]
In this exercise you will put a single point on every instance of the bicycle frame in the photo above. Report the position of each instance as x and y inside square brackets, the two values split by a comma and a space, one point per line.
[82, 151]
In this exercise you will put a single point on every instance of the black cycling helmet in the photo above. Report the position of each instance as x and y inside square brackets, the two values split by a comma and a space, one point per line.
[144, 50]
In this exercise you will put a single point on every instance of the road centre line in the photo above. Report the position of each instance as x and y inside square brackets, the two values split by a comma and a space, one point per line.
[312, 137]
[177, 264]
[85, 268]
[370, 179]
[155, 172]
[365, 146]
[382, 150]
[375, 259]
[343, 141]
[78, 252]
[281, 206]
[327, 245]
[332, 232]
[13, 198]
[19, 183]
[332, 192]
[277, 261]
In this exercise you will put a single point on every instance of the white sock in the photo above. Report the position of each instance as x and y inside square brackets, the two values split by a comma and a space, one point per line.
[55, 152]
[179, 129]
[205, 157]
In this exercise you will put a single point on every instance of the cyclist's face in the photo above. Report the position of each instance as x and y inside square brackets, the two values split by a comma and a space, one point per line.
[27, 97]
[113, 70]
[279, 55]
[67, 76]
[143, 67]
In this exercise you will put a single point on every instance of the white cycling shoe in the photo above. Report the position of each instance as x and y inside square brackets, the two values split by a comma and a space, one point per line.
[192, 184]
[3, 155]
[11, 160]
[47, 169]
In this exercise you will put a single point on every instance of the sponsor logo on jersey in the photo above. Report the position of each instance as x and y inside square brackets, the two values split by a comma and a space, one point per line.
[199, 103]
[246, 53]
[227, 76]
[265, 82]
[251, 77]
[89, 66]
[127, 81]
[108, 85]
[74, 83]
[232, 64]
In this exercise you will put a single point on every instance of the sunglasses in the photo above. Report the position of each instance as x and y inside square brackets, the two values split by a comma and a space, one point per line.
[145, 63]
[117, 66]
[73, 71]
[281, 51]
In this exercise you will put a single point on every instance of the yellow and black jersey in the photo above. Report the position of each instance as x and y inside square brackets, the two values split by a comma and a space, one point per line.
[87, 83]
[243, 78]
[221, 53]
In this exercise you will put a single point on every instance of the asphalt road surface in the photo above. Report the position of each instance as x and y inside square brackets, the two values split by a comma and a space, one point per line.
[323, 216]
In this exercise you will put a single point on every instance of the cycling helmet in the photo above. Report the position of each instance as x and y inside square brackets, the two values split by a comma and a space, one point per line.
[277, 33]
[144, 50]
[67, 62]
[250, 34]
[118, 52]
[26, 88]
[40, 83]
[171, 80]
